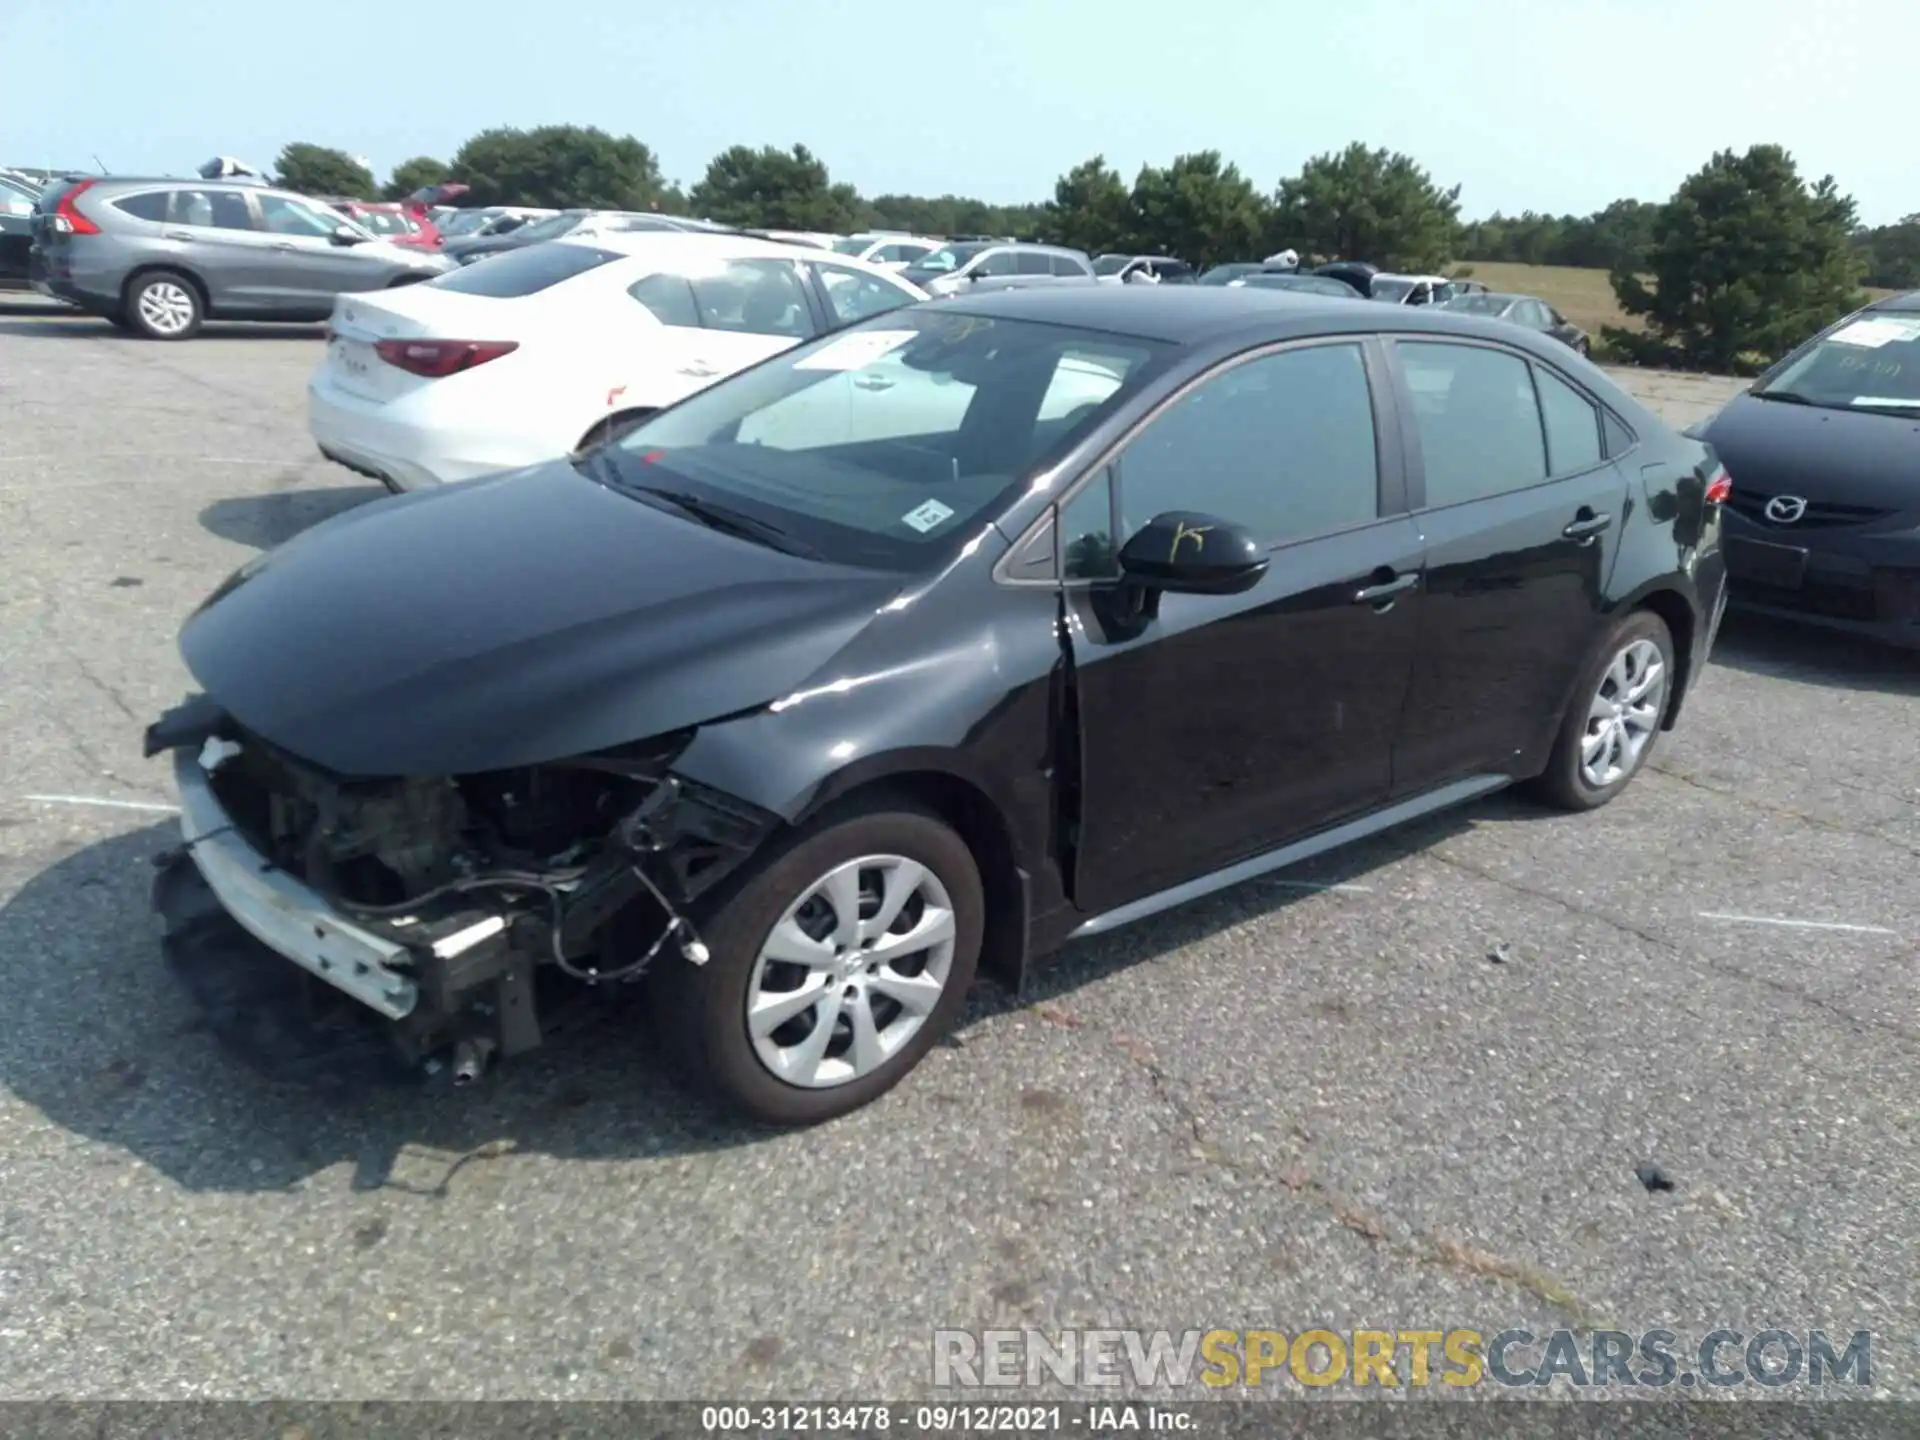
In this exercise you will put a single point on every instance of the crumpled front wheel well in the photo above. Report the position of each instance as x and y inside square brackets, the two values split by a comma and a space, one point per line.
[978, 821]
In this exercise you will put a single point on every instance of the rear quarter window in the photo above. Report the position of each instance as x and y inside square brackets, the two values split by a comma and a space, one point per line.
[148, 205]
[515, 273]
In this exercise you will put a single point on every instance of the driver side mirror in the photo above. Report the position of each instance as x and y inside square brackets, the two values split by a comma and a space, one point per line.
[346, 235]
[1187, 553]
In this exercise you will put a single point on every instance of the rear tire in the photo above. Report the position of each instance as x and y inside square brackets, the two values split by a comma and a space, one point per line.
[883, 1000]
[164, 305]
[1614, 716]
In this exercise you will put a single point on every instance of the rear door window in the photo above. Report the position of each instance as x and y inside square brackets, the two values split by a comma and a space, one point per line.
[1065, 265]
[149, 205]
[669, 298]
[757, 297]
[514, 273]
[1478, 420]
[211, 210]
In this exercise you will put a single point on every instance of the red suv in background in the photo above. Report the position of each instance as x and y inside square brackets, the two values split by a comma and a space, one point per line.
[406, 222]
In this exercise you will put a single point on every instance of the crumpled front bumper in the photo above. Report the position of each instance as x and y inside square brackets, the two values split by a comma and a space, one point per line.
[280, 912]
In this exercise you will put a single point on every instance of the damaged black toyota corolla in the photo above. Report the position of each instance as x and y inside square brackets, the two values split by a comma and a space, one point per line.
[923, 647]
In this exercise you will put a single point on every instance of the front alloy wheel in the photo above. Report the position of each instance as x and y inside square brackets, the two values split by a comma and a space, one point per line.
[835, 963]
[851, 972]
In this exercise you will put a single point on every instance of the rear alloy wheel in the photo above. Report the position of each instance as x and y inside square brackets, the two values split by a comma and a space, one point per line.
[1615, 717]
[164, 306]
[833, 968]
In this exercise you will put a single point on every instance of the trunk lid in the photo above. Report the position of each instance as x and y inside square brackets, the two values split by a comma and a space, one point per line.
[410, 312]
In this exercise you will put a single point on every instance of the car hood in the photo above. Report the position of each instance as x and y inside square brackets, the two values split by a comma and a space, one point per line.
[520, 618]
[1846, 457]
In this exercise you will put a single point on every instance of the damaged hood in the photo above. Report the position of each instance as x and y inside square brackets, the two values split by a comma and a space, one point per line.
[517, 619]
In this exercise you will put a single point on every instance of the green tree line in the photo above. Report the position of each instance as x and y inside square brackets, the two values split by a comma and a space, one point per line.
[1745, 258]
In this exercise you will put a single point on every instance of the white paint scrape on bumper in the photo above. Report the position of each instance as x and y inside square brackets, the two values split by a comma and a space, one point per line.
[279, 911]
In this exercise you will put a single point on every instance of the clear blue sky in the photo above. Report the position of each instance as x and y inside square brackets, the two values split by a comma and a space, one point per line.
[1555, 105]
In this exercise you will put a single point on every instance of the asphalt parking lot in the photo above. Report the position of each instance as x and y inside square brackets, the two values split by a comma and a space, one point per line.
[1408, 1087]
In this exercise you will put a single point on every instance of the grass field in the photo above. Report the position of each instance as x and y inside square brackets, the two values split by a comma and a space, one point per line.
[1584, 296]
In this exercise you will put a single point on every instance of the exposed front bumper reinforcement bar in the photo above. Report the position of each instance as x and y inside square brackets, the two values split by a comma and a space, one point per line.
[291, 918]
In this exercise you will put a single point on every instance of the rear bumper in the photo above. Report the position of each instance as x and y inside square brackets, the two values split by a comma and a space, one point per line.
[369, 438]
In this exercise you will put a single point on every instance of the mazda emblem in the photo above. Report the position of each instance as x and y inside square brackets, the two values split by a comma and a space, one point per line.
[1785, 509]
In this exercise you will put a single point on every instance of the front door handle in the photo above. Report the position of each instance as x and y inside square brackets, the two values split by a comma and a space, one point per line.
[1385, 590]
[176, 235]
[283, 245]
[1586, 525]
[872, 382]
[699, 369]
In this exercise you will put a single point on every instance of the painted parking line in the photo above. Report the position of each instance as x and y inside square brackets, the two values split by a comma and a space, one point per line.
[103, 802]
[1787, 924]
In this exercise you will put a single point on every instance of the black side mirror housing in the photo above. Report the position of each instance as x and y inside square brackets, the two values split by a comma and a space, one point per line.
[1184, 552]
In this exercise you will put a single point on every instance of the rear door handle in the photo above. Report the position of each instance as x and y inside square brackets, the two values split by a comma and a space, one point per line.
[1385, 590]
[873, 382]
[699, 369]
[1586, 526]
[176, 235]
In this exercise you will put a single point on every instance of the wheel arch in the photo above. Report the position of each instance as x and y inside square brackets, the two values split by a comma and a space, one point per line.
[612, 417]
[965, 804]
[1683, 623]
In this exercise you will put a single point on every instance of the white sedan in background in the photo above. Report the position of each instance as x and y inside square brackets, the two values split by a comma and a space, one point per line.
[538, 352]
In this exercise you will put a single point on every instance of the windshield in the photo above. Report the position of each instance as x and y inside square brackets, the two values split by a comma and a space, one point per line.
[1869, 363]
[888, 443]
[1391, 290]
[1226, 274]
[1111, 264]
[947, 257]
[854, 246]
[462, 221]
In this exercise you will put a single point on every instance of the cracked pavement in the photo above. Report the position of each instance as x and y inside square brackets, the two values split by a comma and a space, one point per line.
[1418, 1100]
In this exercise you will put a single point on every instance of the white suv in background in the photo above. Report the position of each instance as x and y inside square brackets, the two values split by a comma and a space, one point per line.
[530, 354]
[890, 249]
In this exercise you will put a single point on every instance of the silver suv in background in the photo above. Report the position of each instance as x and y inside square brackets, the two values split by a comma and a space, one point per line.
[964, 266]
[159, 257]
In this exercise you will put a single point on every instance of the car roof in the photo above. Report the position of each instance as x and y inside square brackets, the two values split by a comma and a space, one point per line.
[663, 244]
[1194, 315]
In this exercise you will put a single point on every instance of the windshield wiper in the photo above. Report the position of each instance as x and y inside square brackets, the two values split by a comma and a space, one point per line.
[726, 518]
[1790, 397]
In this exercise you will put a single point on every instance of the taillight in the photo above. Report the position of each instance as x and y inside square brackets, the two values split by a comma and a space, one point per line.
[436, 359]
[1719, 486]
[69, 221]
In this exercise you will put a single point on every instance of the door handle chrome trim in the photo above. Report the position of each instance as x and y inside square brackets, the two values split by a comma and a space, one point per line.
[1588, 528]
[1386, 590]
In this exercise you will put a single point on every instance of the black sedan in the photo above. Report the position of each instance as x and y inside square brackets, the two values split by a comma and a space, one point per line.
[1527, 310]
[1824, 451]
[918, 650]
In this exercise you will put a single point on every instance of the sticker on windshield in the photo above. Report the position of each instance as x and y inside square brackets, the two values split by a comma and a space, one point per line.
[927, 516]
[850, 352]
[1880, 330]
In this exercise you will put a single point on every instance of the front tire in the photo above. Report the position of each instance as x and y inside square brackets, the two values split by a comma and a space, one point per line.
[163, 305]
[1614, 716]
[834, 966]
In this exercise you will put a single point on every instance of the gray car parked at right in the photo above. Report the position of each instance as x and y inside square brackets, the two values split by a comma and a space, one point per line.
[158, 257]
